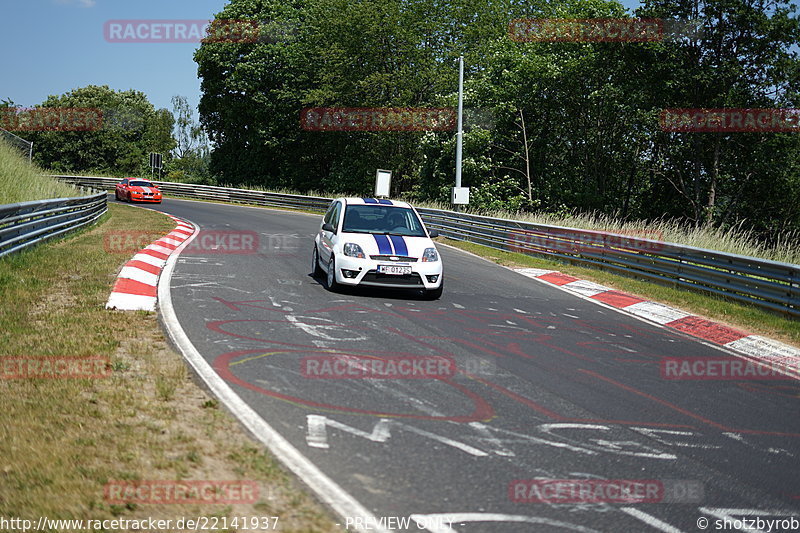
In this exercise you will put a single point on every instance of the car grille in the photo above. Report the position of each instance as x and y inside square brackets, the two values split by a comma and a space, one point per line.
[400, 258]
[411, 280]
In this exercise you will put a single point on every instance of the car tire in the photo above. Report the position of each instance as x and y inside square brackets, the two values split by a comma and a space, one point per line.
[435, 294]
[116, 196]
[330, 278]
[316, 270]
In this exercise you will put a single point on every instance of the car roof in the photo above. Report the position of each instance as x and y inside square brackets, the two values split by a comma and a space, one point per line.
[373, 201]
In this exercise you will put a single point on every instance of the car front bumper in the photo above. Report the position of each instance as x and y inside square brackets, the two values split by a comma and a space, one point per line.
[153, 199]
[365, 272]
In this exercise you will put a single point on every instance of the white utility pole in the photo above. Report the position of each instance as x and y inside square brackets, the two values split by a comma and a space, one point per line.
[460, 194]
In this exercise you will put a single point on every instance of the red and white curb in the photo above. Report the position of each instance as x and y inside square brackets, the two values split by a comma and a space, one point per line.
[755, 346]
[137, 283]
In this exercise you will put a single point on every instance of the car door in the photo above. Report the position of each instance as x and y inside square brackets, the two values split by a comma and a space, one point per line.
[328, 238]
[121, 188]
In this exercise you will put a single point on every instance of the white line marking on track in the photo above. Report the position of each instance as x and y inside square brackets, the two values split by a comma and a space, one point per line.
[650, 520]
[500, 449]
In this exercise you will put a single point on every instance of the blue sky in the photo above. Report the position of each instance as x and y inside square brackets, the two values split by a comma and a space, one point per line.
[53, 46]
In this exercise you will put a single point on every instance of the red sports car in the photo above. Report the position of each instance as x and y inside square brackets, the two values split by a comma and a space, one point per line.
[137, 190]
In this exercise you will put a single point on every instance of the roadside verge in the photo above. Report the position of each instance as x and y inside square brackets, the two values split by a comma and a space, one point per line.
[132, 439]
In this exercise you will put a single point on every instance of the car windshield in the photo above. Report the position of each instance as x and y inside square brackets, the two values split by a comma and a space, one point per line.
[382, 219]
[140, 184]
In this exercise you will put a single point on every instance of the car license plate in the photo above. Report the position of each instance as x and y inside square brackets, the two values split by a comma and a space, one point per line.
[394, 270]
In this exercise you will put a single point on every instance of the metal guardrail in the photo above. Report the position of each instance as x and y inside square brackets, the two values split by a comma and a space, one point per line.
[209, 192]
[760, 282]
[28, 223]
[767, 284]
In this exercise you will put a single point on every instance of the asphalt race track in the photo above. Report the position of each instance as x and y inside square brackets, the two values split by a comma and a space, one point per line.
[546, 386]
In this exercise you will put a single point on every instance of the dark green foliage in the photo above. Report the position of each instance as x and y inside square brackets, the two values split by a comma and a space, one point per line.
[131, 128]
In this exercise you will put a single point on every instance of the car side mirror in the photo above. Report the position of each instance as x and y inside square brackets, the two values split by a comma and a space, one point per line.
[328, 227]
[433, 233]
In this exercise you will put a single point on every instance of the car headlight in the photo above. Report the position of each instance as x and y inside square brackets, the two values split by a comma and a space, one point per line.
[353, 250]
[430, 255]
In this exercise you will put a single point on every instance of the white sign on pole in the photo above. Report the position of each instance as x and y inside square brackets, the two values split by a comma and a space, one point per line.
[383, 181]
[460, 195]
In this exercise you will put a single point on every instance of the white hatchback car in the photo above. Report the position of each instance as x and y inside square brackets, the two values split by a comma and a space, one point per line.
[382, 243]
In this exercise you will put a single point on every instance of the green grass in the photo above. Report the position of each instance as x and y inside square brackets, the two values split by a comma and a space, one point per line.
[740, 316]
[22, 182]
[62, 440]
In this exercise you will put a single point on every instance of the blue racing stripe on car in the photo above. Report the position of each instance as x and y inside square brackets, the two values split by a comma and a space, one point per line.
[370, 200]
[399, 244]
[384, 248]
[385, 202]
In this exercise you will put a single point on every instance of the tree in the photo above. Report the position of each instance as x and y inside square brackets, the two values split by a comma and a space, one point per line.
[131, 128]
[745, 57]
[576, 124]
[189, 161]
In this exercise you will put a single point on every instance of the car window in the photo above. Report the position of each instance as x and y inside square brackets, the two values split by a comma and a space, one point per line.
[141, 183]
[382, 219]
[124, 182]
[337, 210]
[329, 213]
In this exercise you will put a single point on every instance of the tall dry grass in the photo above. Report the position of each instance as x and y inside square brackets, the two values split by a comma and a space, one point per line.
[22, 182]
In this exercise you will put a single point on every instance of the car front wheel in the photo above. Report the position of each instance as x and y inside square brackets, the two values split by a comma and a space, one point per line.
[331, 279]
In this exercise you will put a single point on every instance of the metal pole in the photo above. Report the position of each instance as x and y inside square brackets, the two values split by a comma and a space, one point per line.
[460, 134]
